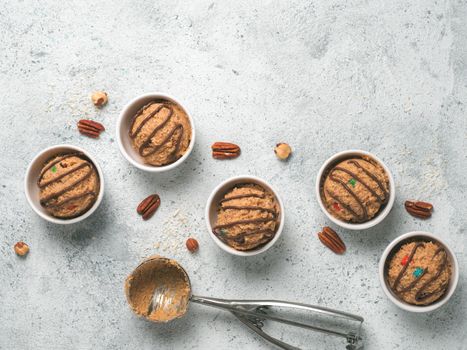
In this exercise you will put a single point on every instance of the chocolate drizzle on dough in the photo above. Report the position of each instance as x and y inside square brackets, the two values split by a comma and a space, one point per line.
[66, 173]
[359, 179]
[402, 271]
[362, 217]
[50, 201]
[55, 162]
[375, 179]
[254, 195]
[147, 148]
[241, 222]
[72, 198]
[382, 199]
[240, 237]
[422, 293]
[271, 211]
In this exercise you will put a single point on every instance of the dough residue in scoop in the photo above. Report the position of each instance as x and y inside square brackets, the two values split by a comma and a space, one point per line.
[158, 289]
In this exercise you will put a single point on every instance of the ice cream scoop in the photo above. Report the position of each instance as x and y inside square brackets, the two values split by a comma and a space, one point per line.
[159, 290]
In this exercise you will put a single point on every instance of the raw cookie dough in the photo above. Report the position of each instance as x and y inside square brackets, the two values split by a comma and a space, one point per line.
[419, 272]
[69, 185]
[248, 217]
[160, 132]
[156, 276]
[355, 190]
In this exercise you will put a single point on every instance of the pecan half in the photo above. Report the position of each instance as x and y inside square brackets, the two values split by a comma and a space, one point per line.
[225, 150]
[419, 209]
[90, 128]
[148, 206]
[331, 239]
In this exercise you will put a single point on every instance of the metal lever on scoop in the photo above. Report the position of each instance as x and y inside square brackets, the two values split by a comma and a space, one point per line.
[253, 313]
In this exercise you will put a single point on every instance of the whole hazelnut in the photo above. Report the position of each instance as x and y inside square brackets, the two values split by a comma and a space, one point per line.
[99, 98]
[21, 248]
[282, 151]
[192, 245]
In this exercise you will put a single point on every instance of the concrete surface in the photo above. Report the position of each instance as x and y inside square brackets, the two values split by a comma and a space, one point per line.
[386, 76]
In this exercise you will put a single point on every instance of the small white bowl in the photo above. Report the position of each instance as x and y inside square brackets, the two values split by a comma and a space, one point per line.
[32, 190]
[123, 127]
[426, 236]
[347, 225]
[212, 208]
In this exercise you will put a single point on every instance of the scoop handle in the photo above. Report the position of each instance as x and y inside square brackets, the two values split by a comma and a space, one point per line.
[253, 312]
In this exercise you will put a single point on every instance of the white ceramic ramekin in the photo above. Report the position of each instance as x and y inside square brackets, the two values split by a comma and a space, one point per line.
[32, 190]
[212, 209]
[408, 237]
[123, 127]
[338, 157]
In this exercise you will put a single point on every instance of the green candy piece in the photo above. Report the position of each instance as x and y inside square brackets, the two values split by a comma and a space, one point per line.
[223, 232]
[54, 169]
[352, 182]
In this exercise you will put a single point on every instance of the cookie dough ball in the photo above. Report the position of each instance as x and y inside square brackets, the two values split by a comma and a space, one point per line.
[248, 217]
[355, 190]
[419, 272]
[160, 132]
[69, 185]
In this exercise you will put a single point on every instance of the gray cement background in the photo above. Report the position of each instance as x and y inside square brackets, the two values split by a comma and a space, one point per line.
[386, 76]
